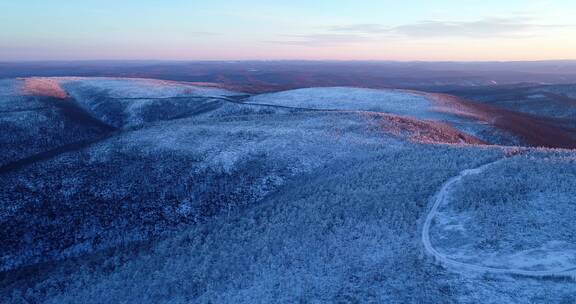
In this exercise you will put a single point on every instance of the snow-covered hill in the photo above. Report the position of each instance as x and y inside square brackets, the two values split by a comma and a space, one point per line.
[354, 99]
[147, 191]
[132, 102]
[415, 105]
[35, 119]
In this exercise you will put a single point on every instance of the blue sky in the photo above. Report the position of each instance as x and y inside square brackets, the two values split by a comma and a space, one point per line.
[257, 29]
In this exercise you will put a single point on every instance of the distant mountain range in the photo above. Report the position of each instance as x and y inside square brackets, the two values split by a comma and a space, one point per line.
[266, 76]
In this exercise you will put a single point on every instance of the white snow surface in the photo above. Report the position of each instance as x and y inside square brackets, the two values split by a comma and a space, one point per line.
[352, 99]
[147, 88]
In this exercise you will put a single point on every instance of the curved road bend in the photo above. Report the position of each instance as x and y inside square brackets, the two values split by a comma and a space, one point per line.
[438, 200]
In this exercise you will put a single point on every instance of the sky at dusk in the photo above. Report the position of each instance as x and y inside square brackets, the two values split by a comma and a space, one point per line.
[298, 29]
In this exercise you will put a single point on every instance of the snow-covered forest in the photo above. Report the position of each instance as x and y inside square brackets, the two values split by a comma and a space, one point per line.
[145, 191]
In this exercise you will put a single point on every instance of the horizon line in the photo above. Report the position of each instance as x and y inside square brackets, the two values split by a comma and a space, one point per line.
[281, 60]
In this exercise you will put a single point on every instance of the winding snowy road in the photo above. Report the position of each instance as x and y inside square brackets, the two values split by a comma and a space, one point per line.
[447, 261]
